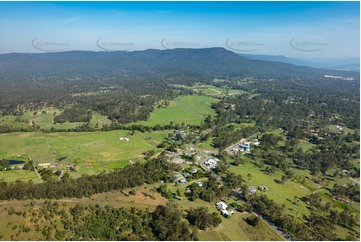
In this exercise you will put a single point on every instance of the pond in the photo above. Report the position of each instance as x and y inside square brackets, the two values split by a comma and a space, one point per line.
[62, 158]
[16, 162]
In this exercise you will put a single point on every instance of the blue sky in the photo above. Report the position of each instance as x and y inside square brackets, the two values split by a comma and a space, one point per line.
[294, 29]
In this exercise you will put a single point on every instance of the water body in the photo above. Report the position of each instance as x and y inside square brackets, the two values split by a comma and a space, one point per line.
[62, 158]
[16, 162]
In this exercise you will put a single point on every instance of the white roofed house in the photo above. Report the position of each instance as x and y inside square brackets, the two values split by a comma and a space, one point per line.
[221, 206]
[211, 163]
[227, 213]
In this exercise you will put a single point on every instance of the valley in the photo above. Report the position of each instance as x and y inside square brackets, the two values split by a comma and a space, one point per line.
[280, 155]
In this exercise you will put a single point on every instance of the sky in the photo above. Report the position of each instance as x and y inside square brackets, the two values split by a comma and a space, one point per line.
[293, 29]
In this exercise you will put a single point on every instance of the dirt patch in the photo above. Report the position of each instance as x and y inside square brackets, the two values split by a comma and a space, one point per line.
[144, 195]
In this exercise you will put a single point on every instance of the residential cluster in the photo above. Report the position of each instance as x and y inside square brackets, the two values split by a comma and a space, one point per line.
[243, 146]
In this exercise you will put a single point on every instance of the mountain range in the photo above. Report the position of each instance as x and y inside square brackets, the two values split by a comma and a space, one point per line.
[208, 62]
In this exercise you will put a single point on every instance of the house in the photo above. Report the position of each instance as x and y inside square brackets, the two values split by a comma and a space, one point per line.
[244, 147]
[194, 171]
[338, 127]
[199, 184]
[179, 135]
[227, 213]
[211, 163]
[43, 165]
[229, 106]
[252, 190]
[179, 198]
[183, 181]
[124, 138]
[186, 175]
[262, 188]
[221, 206]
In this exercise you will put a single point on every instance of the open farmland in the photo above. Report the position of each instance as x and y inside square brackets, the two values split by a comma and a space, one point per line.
[281, 193]
[186, 109]
[44, 118]
[92, 151]
[18, 175]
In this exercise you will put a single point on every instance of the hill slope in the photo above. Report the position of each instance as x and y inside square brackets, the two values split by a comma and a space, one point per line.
[209, 61]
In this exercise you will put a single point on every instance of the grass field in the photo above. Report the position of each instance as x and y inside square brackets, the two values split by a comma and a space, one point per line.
[22, 175]
[332, 128]
[93, 151]
[305, 146]
[235, 228]
[186, 109]
[44, 118]
[241, 125]
[280, 193]
[217, 92]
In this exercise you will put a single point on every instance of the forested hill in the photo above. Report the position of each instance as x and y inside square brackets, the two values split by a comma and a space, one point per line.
[208, 62]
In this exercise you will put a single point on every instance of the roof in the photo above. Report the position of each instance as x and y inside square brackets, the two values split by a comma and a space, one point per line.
[222, 205]
[225, 212]
[185, 174]
[252, 189]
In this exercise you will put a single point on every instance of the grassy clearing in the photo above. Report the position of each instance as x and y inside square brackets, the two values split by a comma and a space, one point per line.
[93, 151]
[332, 128]
[278, 132]
[241, 125]
[217, 92]
[44, 118]
[99, 120]
[186, 109]
[305, 146]
[235, 228]
[280, 193]
[205, 145]
[22, 175]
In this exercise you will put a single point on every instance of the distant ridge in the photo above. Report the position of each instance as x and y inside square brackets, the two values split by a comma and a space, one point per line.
[351, 64]
[208, 61]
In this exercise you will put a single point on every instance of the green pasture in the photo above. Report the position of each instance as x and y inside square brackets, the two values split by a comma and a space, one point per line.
[280, 193]
[186, 109]
[217, 92]
[92, 151]
[44, 118]
[21, 175]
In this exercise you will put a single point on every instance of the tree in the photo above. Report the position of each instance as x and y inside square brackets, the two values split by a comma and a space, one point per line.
[249, 176]
[202, 219]
[253, 220]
